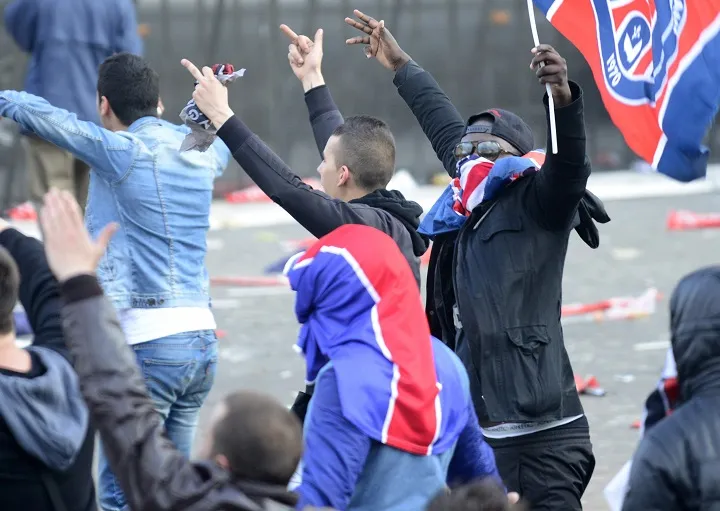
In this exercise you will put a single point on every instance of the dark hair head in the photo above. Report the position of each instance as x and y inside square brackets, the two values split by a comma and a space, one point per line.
[261, 438]
[482, 495]
[9, 285]
[131, 87]
[367, 148]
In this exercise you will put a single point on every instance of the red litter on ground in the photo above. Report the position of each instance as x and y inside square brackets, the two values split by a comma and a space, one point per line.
[253, 194]
[588, 386]
[687, 220]
[629, 307]
[220, 334]
[279, 280]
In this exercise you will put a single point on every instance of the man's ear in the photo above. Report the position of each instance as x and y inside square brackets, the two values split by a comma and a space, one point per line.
[344, 176]
[104, 106]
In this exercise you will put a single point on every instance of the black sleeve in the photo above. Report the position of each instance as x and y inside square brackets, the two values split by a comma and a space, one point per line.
[152, 473]
[39, 292]
[652, 484]
[560, 185]
[439, 119]
[314, 210]
[325, 116]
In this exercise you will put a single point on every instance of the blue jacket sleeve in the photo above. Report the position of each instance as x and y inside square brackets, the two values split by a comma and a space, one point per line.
[127, 38]
[473, 457]
[110, 154]
[21, 23]
[335, 450]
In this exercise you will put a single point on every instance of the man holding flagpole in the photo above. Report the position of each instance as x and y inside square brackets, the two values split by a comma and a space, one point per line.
[500, 235]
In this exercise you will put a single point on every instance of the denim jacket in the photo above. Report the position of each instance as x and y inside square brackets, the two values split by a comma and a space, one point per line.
[159, 197]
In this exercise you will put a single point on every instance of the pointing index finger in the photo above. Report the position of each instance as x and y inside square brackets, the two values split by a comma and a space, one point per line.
[192, 68]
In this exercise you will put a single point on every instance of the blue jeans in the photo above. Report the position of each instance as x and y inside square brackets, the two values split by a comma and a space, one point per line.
[179, 372]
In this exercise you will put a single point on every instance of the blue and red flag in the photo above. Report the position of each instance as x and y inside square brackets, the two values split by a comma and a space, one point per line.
[359, 306]
[657, 65]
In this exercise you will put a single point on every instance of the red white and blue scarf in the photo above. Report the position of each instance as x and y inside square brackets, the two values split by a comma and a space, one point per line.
[477, 180]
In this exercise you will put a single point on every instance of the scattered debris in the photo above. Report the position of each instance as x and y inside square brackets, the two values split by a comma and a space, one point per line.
[687, 220]
[589, 386]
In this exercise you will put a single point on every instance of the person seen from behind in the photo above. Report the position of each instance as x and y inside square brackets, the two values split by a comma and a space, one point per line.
[391, 420]
[154, 270]
[46, 437]
[67, 41]
[253, 445]
[677, 464]
[500, 236]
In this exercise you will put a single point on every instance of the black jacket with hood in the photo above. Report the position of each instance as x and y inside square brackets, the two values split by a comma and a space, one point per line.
[46, 440]
[677, 465]
[504, 268]
[316, 211]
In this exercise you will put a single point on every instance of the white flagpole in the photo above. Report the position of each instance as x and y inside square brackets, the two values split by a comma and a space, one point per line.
[551, 103]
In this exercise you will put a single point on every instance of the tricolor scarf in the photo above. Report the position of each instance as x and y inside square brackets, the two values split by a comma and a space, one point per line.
[477, 180]
[360, 308]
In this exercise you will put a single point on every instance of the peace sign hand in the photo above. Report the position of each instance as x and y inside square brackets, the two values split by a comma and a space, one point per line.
[210, 95]
[380, 44]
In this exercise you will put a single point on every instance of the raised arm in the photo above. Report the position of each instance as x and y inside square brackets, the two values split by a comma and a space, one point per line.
[560, 184]
[110, 154]
[439, 119]
[316, 211]
[39, 291]
[305, 57]
[153, 474]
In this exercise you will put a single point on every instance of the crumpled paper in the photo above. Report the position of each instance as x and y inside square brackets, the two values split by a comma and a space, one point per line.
[202, 132]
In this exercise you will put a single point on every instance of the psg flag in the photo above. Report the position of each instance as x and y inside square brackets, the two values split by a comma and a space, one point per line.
[657, 65]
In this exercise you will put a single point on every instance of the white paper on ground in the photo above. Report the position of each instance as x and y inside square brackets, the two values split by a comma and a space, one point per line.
[615, 490]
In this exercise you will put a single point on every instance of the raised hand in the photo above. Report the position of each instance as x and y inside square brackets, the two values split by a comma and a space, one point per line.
[551, 68]
[305, 57]
[379, 42]
[210, 95]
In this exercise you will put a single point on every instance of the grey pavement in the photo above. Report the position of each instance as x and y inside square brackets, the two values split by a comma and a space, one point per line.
[636, 252]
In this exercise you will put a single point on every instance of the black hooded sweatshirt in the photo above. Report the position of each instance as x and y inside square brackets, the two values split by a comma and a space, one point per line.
[386, 210]
[677, 465]
[316, 211]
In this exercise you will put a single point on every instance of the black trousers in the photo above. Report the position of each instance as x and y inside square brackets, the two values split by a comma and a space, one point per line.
[550, 469]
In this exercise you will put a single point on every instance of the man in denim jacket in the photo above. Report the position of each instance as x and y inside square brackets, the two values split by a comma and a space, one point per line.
[154, 269]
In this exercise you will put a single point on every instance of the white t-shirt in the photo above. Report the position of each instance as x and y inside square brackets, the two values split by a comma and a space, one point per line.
[143, 325]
